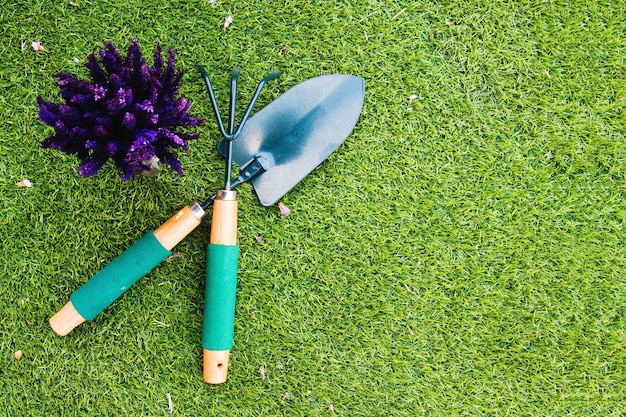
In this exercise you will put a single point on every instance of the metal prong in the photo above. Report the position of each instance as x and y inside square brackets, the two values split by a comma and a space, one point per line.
[232, 132]
[254, 99]
[207, 81]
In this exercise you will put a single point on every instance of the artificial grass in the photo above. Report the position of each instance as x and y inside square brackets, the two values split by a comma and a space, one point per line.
[461, 254]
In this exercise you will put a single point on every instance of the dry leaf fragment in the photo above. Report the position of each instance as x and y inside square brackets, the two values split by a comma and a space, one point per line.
[262, 372]
[172, 256]
[227, 22]
[18, 355]
[398, 14]
[170, 405]
[24, 183]
[284, 210]
[38, 47]
[283, 49]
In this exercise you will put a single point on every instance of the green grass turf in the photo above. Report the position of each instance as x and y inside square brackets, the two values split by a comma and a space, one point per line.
[461, 254]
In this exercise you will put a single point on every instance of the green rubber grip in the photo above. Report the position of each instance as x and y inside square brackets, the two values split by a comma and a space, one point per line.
[114, 279]
[219, 297]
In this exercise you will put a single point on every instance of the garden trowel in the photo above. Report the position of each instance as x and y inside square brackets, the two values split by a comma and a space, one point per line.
[293, 135]
[277, 148]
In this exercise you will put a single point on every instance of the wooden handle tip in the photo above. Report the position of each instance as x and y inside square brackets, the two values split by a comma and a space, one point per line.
[66, 319]
[215, 366]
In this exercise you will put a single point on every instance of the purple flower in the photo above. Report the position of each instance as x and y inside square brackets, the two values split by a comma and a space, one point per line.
[284, 210]
[128, 112]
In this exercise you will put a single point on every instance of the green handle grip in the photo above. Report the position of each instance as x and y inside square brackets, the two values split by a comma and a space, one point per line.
[219, 297]
[116, 278]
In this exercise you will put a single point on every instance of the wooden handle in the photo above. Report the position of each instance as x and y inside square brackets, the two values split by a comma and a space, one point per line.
[215, 366]
[66, 319]
[224, 222]
[179, 226]
[220, 289]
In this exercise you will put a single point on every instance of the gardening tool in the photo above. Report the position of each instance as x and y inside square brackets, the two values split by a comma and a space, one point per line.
[223, 251]
[116, 278]
[286, 140]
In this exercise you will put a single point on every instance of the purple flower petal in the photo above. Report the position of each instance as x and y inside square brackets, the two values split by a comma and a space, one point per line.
[129, 121]
[284, 210]
[52, 143]
[158, 59]
[143, 138]
[80, 132]
[80, 99]
[137, 157]
[152, 119]
[175, 140]
[112, 148]
[172, 160]
[117, 102]
[97, 73]
[69, 114]
[90, 167]
[47, 111]
[145, 106]
[111, 59]
[98, 92]
[101, 131]
[60, 128]
[103, 120]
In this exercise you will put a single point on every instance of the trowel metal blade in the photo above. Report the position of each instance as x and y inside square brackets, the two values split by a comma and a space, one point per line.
[297, 131]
